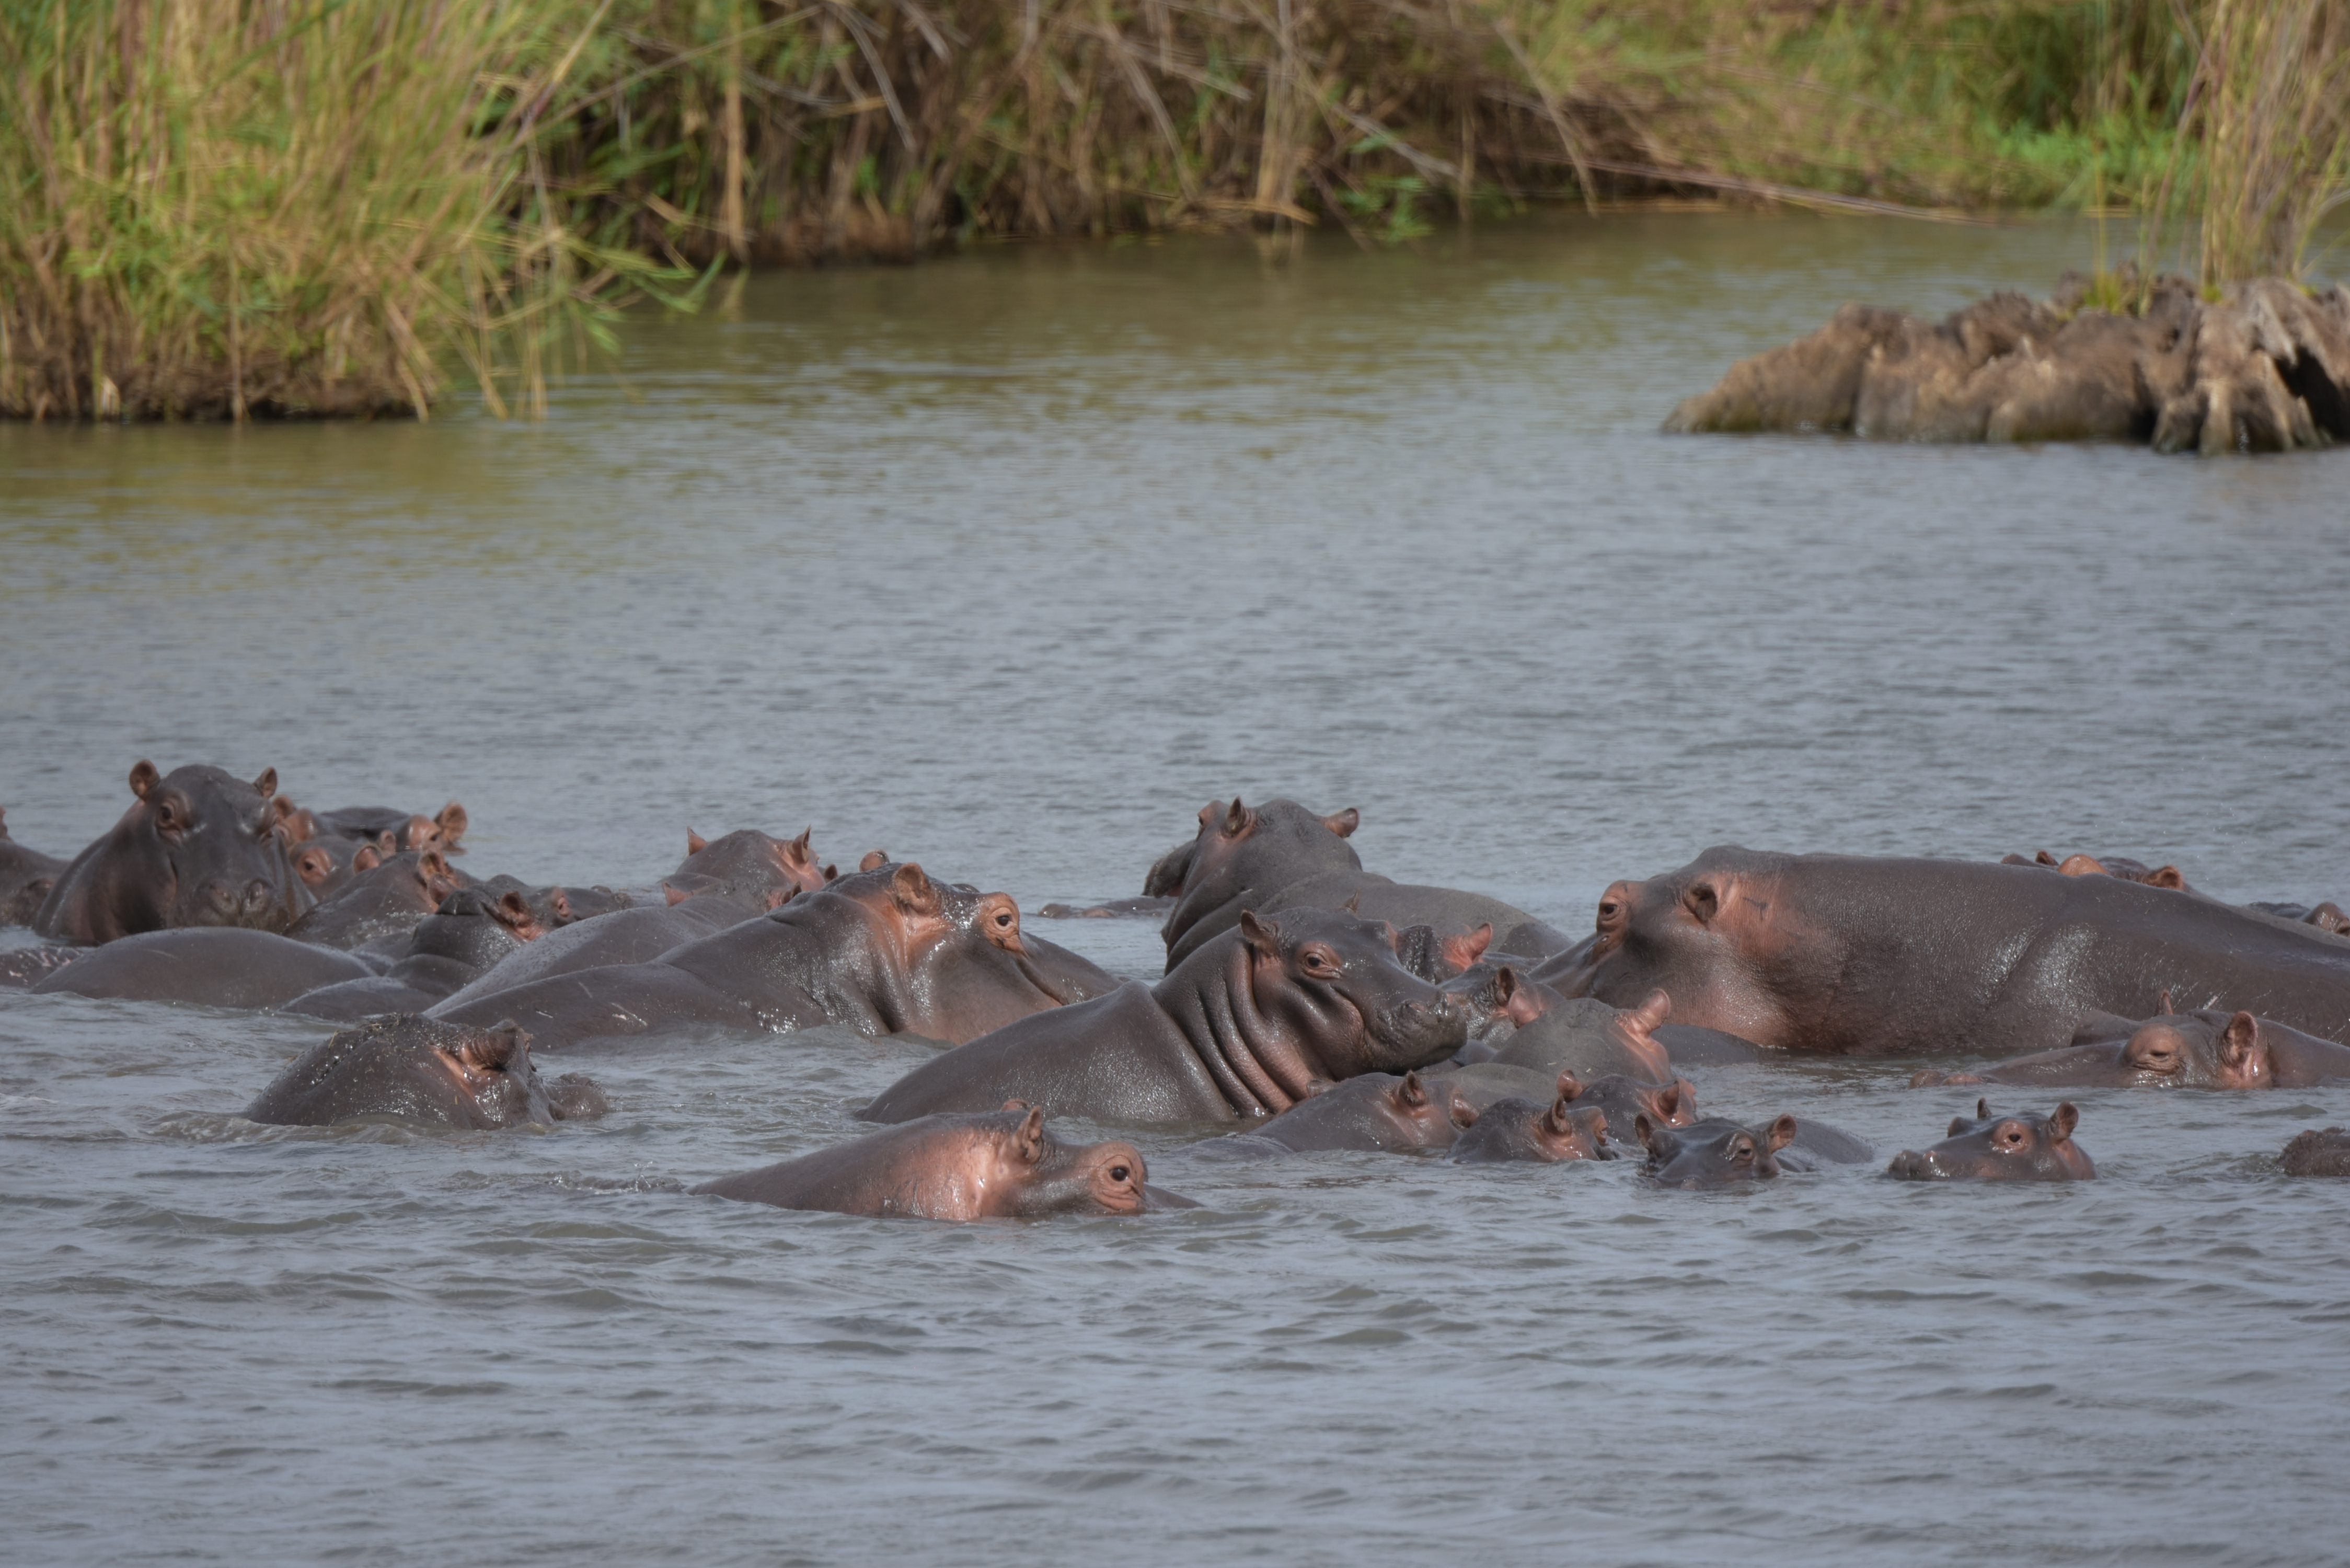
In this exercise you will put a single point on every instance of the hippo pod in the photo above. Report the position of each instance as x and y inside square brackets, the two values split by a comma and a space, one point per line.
[2205, 1049]
[994, 1164]
[1713, 1153]
[471, 931]
[197, 847]
[885, 952]
[382, 904]
[1898, 957]
[2020, 1146]
[1271, 1014]
[424, 1070]
[1370, 1112]
[1594, 1040]
[747, 866]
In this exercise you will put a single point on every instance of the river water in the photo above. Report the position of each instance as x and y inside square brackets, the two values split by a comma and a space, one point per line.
[1008, 564]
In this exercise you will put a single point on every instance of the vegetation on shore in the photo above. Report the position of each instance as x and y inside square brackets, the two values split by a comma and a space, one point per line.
[218, 207]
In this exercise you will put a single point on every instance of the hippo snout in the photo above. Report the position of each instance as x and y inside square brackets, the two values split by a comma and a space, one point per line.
[1909, 1164]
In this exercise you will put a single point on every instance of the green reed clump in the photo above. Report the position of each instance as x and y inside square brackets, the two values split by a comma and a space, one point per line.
[2273, 117]
[214, 208]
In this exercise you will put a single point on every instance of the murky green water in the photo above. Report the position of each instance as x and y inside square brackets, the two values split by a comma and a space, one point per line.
[1008, 564]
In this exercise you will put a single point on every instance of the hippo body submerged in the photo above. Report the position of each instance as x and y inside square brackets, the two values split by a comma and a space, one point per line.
[197, 847]
[205, 966]
[418, 1070]
[1899, 957]
[25, 878]
[884, 952]
[1265, 1017]
[470, 931]
[2205, 1049]
[996, 1164]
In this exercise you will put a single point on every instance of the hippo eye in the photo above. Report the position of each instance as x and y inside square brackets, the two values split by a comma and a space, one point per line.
[1319, 960]
[1003, 919]
[1121, 1172]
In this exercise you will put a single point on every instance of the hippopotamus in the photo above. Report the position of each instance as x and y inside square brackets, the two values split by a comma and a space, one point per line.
[471, 931]
[1515, 1130]
[1372, 1111]
[885, 952]
[2315, 1153]
[1624, 1100]
[2206, 1049]
[1897, 957]
[2022, 1146]
[1715, 1152]
[2120, 865]
[2328, 916]
[204, 966]
[427, 1072]
[326, 865]
[197, 847]
[989, 1165]
[1271, 1013]
[383, 902]
[747, 866]
[25, 878]
[1281, 855]
[408, 829]
[1143, 908]
[1593, 1039]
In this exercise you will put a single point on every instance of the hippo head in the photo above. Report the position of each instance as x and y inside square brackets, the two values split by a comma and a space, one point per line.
[477, 926]
[1708, 934]
[2022, 1146]
[1519, 1129]
[2119, 867]
[1240, 852]
[1434, 956]
[2203, 1050]
[423, 1070]
[746, 866]
[946, 961]
[1328, 999]
[1626, 1100]
[197, 848]
[1713, 1153]
[1044, 1176]
[326, 865]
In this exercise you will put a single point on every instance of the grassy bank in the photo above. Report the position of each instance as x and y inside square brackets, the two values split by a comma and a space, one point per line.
[224, 206]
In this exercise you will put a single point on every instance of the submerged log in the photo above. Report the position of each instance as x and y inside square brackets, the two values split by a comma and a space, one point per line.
[2265, 368]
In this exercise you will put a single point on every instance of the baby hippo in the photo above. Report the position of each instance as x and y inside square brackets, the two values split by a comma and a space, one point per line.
[1515, 1130]
[989, 1165]
[426, 1071]
[1624, 1100]
[1371, 1111]
[1712, 1153]
[2022, 1146]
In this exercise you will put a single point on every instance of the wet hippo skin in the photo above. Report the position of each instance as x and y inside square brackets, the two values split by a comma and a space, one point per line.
[1895, 957]
[1268, 1014]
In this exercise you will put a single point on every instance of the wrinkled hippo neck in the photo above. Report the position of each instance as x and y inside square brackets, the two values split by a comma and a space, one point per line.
[1213, 1001]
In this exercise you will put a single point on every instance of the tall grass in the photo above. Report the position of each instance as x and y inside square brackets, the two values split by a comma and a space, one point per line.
[2273, 113]
[216, 208]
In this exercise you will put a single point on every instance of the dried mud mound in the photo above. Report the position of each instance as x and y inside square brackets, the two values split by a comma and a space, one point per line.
[2266, 368]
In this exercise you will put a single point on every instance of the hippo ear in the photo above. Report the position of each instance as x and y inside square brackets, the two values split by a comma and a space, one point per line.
[1354, 906]
[1467, 948]
[1028, 1138]
[913, 891]
[694, 843]
[454, 822]
[512, 911]
[1982, 1110]
[1653, 1138]
[2081, 866]
[1570, 1088]
[1522, 1000]
[1680, 1100]
[1411, 1092]
[874, 860]
[2165, 999]
[2067, 1118]
[143, 778]
[1782, 1132]
[2242, 1037]
[560, 902]
[1650, 1012]
[799, 851]
[1704, 900]
[831, 873]
[1238, 819]
[2166, 877]
[495, 1051]
[2013, 860]
[675, 895]
[778, 896]
[2044, 858]
[267, 785]
[1461, 1114]
[1261, 935]
[366, 859]
[1344, 823]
